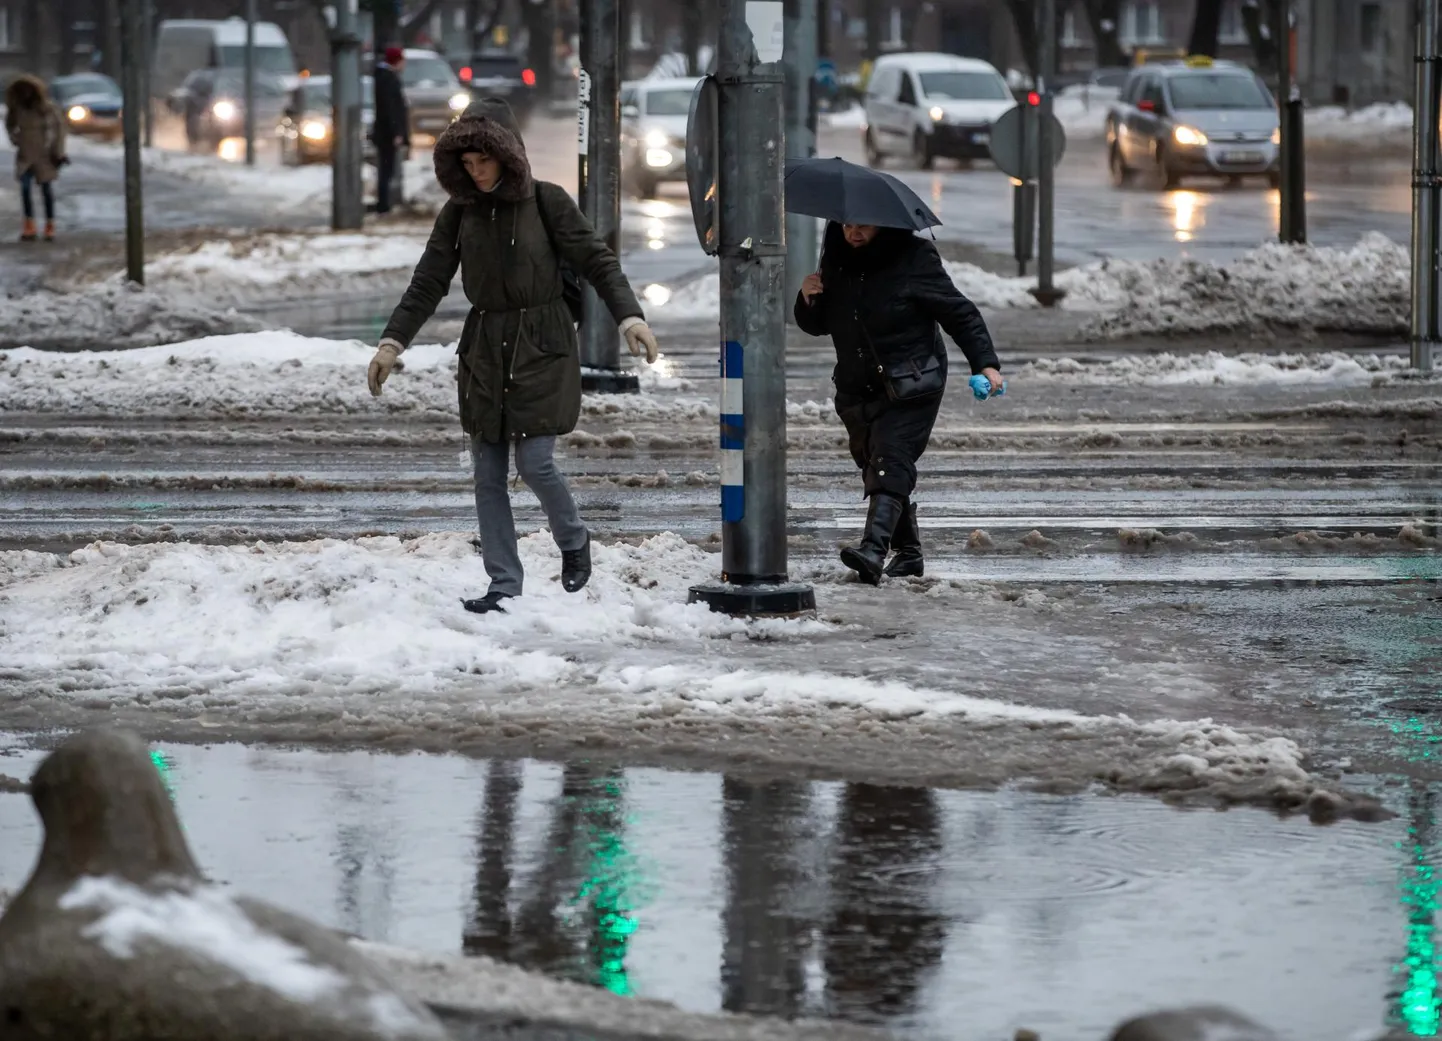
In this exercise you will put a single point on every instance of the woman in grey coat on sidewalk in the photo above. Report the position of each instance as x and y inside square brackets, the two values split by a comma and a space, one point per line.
[519, 372]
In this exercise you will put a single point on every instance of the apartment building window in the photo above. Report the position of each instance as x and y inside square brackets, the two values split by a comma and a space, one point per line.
[459, 19]
[1069, 35]
[1371, 28]
[5, 34]
[638, 31]
[1232, 30]
[1141, 23]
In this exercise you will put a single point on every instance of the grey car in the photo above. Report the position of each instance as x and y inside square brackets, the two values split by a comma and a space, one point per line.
[434, 94]
[1193, 118]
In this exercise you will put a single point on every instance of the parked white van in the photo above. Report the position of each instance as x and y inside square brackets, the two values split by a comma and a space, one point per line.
[183, 46]
[926, 106]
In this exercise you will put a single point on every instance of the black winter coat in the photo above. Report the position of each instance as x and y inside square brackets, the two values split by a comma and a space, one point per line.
[393, 113]
[889, 297]
[519, 371]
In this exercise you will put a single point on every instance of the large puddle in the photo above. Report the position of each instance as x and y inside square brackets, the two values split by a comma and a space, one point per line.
[943, 914]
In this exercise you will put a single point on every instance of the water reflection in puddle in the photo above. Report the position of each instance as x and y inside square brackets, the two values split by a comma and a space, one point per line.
[944, 914]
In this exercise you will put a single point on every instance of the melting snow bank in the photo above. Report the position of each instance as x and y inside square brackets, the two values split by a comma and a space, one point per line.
[286, 267]
[1216, 369]
[1364, 289]
[118, 314]
[253, 375]
[365, 640]
[484, 989]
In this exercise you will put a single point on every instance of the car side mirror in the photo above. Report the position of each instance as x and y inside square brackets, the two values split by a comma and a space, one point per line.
[1147, 106]
[630, 112]
[290, 112]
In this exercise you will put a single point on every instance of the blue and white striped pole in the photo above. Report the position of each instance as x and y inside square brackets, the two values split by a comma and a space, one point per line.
[733, 433]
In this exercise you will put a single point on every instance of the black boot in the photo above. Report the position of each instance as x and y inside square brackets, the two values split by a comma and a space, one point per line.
[486, 604]
[869, 558]
[906, 559]
[576, 567]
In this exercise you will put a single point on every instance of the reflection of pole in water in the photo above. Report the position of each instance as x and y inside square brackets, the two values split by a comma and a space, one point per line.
[489, 931]
[605, 891]
[1417, 1004]
[761, 969]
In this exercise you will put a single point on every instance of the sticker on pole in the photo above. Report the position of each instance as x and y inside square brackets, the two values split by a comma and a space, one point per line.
[1015, 143]
[702, 158]
[767, 21]
[583, 110]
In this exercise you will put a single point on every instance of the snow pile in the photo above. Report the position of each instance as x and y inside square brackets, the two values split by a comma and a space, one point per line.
[117, 314]
[264, 374]
[1364, 289]
[1213, 368]
[363, 639]
[1382, 123]
[853, 118]
[1083, 117]
[289, 190]
[288, 266]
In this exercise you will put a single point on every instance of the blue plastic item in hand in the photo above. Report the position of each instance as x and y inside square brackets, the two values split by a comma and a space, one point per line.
[981, 387]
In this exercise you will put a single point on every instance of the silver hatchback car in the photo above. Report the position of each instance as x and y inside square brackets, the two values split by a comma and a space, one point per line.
[1193, 118]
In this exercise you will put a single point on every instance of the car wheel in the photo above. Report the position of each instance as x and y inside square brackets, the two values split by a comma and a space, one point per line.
[1117, 167]
[921, 152]
[1274, 179]
[646, 187]
[1169, 178]
[874, 158]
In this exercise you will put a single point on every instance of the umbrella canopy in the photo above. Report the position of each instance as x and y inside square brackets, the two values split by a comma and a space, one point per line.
[836, 190]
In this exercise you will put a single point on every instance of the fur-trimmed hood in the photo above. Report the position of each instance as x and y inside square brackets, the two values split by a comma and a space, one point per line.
[488, 126]
[20, 86]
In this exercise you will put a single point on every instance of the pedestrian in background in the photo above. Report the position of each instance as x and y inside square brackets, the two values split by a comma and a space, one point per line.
[391, 130]
[880, 295]
[518, 371]
[38, 134]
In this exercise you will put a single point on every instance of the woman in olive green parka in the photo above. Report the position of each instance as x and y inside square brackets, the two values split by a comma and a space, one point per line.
[518, 368]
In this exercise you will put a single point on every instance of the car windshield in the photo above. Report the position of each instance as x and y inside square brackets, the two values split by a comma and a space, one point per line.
[232, 82]
[668, 102]
[1217, 90]
[428, 72]
[73, 86]
[275, 60]
[964, 86]
[316, 95]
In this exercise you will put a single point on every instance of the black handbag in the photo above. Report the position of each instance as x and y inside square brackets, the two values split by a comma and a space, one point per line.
[909, 379]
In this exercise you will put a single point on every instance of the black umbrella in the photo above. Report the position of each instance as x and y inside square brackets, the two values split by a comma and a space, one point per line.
[836, 190]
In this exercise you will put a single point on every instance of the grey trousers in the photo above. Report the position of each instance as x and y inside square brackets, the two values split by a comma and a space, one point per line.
[535, 462]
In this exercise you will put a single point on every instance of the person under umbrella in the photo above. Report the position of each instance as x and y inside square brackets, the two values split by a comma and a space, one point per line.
[880, 294]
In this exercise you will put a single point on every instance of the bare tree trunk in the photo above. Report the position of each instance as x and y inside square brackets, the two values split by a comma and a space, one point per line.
[1023, 16]
[412, 26]
[65, 15]
[874, 13]
[480, 25]
[385, 20]
[692, 17]
[1257, 19]
[1104, 18]
[1206, 26]
[540, 19]
[107, 26]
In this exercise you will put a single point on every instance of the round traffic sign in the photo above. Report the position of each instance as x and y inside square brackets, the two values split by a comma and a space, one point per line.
[826, 72]
[1018, 127]
[702, 159]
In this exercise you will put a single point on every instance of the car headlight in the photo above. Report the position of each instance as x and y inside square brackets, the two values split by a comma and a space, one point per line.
[314, 130]
[1186, 135]
[657, 139]
[78, 113]
[659, 158]
[937, 114]
[1277, 136]
[223, 110]
[459, 102]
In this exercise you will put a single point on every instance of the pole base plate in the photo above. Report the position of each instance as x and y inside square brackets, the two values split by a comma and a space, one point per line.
[759, 601]
[1047, 297]
[609, 381]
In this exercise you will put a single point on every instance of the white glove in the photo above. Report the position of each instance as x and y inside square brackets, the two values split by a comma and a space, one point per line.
[382, 364]
[639, 337]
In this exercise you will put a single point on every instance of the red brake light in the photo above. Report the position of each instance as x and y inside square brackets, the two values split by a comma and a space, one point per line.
[1033, 98]
[465, 74]
[528, 77]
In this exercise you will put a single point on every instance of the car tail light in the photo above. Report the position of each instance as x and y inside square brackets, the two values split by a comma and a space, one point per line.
[1033, 98]
[465, 74]
[528, 77]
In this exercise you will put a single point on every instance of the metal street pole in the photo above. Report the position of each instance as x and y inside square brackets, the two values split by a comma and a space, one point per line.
[754, 578]
[131, 59]
[249, 82]
[148, 48]
[347, 199]
[1425, 182]
[1046, 291]
[1292, 223]
[599, 142]
[800, 60]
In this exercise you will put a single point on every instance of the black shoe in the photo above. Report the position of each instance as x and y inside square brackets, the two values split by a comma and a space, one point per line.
[906, 561]
[576, 567]
[486, 604]
[868, 559]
